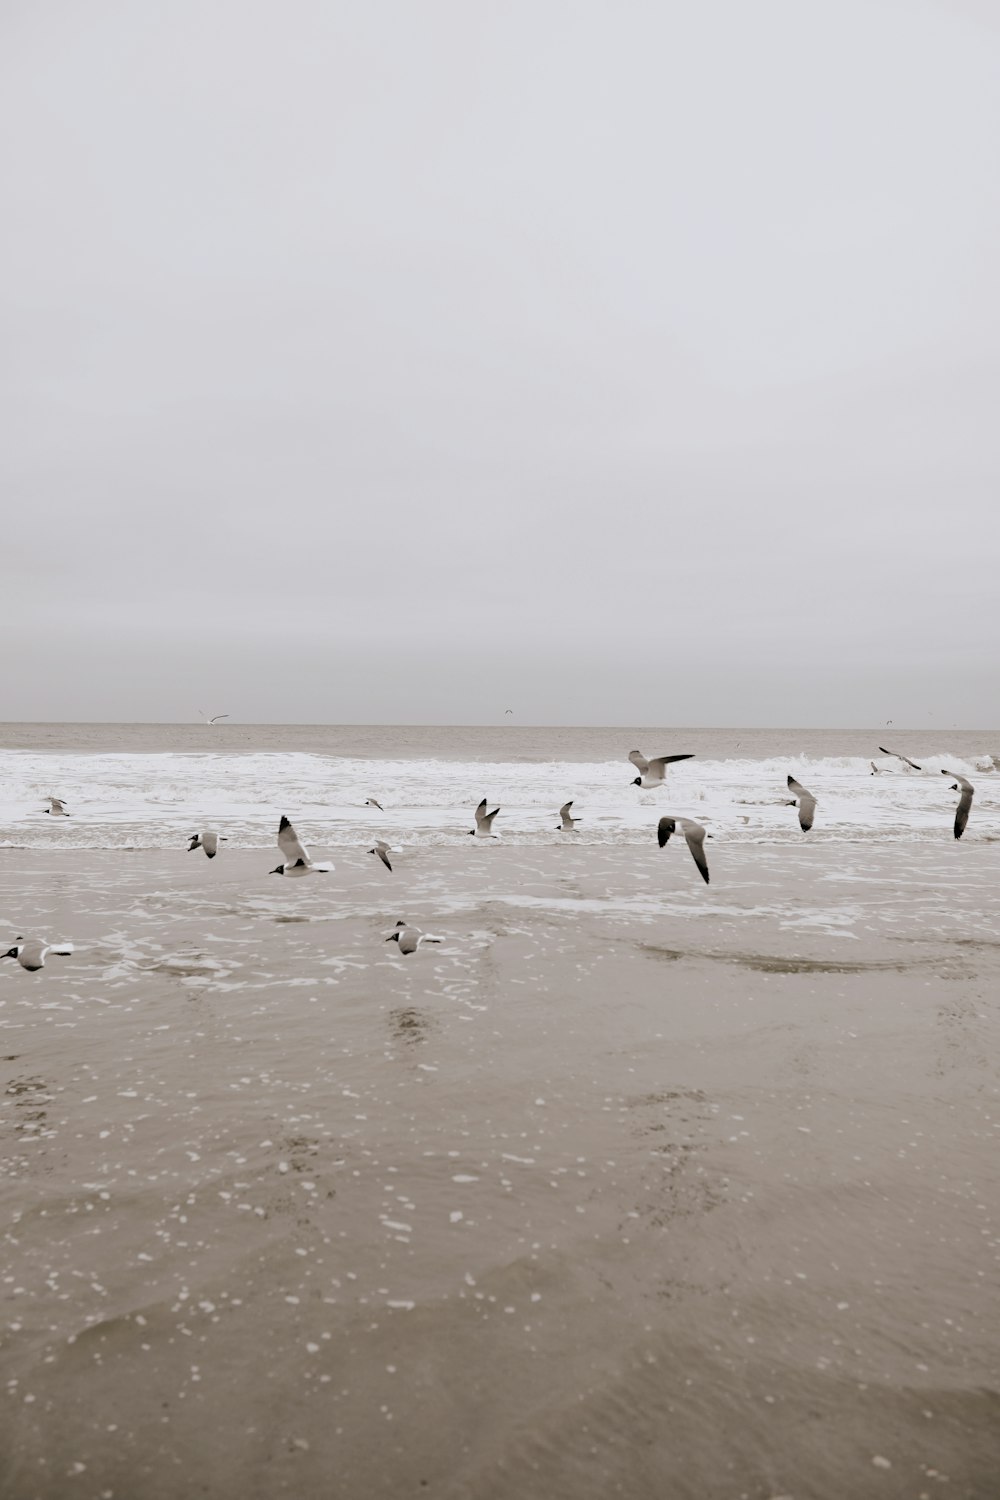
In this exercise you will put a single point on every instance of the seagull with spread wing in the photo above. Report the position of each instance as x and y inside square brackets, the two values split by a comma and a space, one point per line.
[652, 772]
[695, 835]
[806, 804]
[484, 823]
[964, 802]
[409, 938]
[383, 850]
[904, 758]
[297, 861]
[207, 840]
[30, 953]
[568, 821]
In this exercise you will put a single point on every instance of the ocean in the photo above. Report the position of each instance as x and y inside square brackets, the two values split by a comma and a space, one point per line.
[148, 786]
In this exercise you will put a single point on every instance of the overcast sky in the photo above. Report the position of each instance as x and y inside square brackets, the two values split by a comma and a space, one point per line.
[409, 360]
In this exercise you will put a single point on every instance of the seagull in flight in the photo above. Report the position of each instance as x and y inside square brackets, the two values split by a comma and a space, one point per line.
[371, 802]
[964, 802]
[695, 835]
[30, 954]
[484, 823]
[216, 719]
[806, 804]
[409, 938]
[297, 861]
[56, 808]
[207, 840]
[568, 821]
[383, 850]
[652, 772]
[905, 759]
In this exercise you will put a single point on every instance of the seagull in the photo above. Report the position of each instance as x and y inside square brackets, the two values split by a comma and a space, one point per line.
[964, 802]
[807, 804]
[568, 821]
[208, 841]
[876, 769]
[652, 771]
[896, 756]
[409, 938]
[371, 802]
[56, 808]
[297, 861]
[216, 718]
[695, 835]
[484, 823]
[382, 849]
[31, 954]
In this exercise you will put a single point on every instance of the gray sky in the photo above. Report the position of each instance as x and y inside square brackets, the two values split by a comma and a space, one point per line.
[631, 362]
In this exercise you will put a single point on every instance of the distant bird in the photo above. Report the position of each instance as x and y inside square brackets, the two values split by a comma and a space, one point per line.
[383, 851]
[56, 808]
[216, 718]
[896, 756]
[695, 835]
[297, 861]
[409, 938]
[30, 954]
[964, 802]
[370, 802]
[208, 841]
[484, 822]
[806, 804]
[652, 771]
[568, 821]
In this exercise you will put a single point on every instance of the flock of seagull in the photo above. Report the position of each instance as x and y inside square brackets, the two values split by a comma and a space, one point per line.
[297, 862]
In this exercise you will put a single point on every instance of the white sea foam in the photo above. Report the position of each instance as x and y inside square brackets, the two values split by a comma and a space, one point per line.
[155, 800]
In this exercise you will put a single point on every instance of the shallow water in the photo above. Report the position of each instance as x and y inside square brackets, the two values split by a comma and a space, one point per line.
[631, 1186]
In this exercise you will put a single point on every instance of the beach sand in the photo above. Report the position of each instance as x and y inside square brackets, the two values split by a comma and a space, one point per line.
[630, 1187]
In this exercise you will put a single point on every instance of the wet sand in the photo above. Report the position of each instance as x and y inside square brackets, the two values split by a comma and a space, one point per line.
[631, 1187]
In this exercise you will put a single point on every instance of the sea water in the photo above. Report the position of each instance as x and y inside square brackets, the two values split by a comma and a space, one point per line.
[150, 786]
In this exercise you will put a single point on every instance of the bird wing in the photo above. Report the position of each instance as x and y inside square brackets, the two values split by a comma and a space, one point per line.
[664, 828]
[210, 844]
[217, 717]
[962, 813]
[665, 760]
[807, 804]
[900, 757]
[381, 851]
[639, 760]
[63, 949]
[288, 843]
[487, 819]
[964, 802]
[695, 835]
[481, 813]
[195, 842]
[57, 805]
